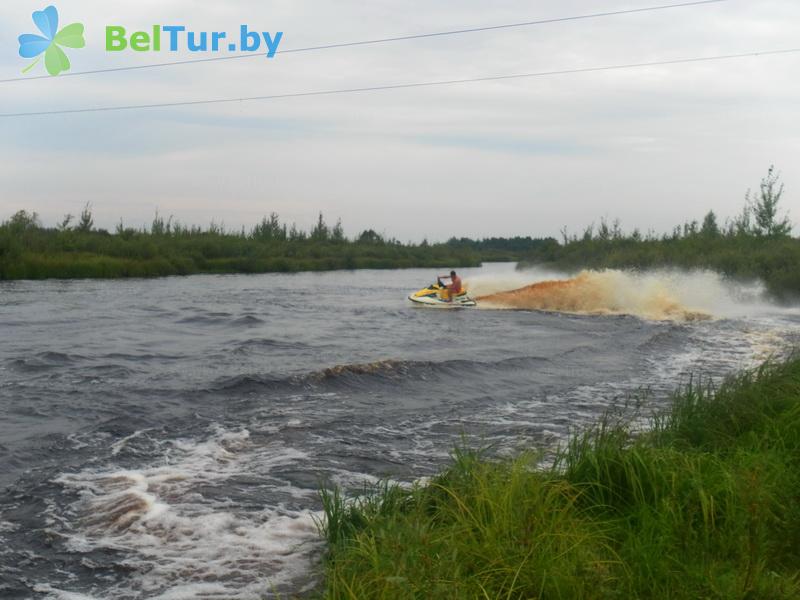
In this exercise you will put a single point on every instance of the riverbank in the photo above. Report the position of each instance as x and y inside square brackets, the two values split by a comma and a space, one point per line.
[29, 251]
[31, 266]
[50, 254]
[703, 505]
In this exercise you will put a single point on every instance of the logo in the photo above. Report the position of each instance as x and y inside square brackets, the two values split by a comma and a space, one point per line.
[175, 38]
[50, 42]
[178, 37]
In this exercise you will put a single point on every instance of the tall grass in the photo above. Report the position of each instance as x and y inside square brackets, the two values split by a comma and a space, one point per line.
[706, 504]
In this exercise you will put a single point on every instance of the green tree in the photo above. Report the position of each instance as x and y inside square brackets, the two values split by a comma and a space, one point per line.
[765, 207]
[296, 234]
[86, 222]
[321, 232]
[370, 236]
[23, 221]
[64, 224]
[269, 229]
[338, 232]
[709, 228]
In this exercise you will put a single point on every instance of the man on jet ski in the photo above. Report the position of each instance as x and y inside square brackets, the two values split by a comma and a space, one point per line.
[454, 288]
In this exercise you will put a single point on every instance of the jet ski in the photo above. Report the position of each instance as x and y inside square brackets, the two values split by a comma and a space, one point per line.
[435, 294]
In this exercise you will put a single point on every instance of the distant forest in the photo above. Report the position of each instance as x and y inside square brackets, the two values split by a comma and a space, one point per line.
[75, 249]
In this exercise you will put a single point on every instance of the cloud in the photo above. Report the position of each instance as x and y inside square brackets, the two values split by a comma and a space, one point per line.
[653, 146]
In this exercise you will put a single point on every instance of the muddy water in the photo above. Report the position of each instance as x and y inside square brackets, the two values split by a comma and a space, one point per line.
[166, 438]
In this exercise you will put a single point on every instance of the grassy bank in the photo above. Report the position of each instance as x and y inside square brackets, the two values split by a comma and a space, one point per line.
[704, 505]
[30, 251]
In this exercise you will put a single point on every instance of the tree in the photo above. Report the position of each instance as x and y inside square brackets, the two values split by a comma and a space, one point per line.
[370, 236]
[741, 225]
[64, 225]
[616, 230]
[765, 207]
[159, 226]
[269, 229]
[295, 234]
[23, 221]
[604, 232]
[338, 232]
[710, 228]
[320, 233]
[86, 221]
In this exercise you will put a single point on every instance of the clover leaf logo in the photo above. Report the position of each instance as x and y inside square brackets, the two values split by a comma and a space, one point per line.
[32, 46]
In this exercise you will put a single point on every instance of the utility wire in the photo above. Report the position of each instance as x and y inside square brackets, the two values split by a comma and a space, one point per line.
[372, 42]
[401, 85]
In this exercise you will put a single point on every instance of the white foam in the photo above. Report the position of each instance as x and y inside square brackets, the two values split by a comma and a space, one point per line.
[493, 283]
[647, 293]
[183, 544]
[117, 446]
[57, 594]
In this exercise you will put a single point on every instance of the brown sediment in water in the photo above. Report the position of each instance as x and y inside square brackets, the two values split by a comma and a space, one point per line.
[382, 366]
[118, 513]
[120, 508]
[595, 293]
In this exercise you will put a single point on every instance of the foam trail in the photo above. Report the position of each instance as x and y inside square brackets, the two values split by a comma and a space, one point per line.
[183, 543]
[493, 283]
[656, 295]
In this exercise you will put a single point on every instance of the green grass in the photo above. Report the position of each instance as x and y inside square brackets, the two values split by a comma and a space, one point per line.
[47, 254]
[706, 504]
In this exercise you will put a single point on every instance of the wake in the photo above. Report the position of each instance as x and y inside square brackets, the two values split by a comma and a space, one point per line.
[599, 293]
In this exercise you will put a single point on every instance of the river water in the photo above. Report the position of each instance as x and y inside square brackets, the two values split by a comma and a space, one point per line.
[166, 438]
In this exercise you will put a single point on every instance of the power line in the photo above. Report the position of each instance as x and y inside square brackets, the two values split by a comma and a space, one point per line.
[401, 85]
[375, 41]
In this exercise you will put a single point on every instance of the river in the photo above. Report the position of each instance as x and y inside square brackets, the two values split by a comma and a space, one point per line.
[167, 438]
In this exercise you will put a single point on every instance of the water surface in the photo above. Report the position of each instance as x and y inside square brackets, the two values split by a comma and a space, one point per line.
[167, 438]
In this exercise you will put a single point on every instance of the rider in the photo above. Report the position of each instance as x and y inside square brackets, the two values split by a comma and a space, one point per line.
[454, 289]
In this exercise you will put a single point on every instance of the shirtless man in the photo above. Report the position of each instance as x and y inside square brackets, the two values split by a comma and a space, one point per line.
[455, 288]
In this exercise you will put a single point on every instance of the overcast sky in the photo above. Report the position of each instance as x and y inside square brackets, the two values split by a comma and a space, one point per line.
[652, 146]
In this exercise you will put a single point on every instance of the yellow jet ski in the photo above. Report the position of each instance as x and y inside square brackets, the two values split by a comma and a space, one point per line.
[436, 295]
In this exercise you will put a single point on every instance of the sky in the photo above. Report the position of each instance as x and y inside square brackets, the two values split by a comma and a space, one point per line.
[652, 147]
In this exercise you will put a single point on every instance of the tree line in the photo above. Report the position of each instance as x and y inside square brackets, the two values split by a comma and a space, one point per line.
[755, 244]
[76, 249]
